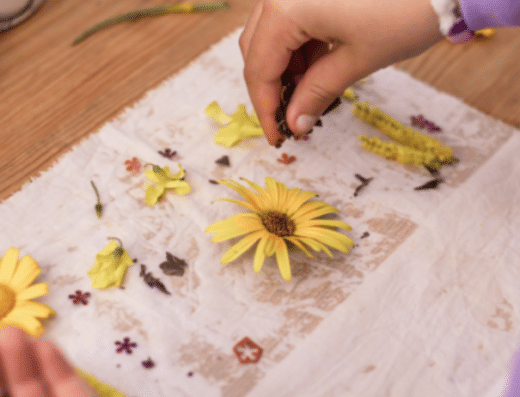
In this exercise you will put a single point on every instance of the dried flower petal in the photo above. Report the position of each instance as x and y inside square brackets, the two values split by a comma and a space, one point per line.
[164, 181]
[238, 126]
[110, 266]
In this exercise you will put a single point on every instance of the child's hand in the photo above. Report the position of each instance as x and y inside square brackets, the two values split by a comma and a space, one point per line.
[294, 35]
[36, 369]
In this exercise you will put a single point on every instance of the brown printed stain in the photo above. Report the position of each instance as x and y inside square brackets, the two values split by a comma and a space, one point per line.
[207, 361]
[122, 320]
[72, 249]
[502, 317]
[392, 226]
[369, 368]
[432, 363]
[300, 322]
[66, 279]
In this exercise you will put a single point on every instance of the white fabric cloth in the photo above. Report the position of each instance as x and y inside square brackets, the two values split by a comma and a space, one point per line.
[426, 305]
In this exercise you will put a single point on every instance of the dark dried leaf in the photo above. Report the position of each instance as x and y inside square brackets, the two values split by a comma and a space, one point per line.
[430, 184]
[224, 160]
[173, 266]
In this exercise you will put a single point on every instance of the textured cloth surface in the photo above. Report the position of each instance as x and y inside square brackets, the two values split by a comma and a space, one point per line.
[426, 304]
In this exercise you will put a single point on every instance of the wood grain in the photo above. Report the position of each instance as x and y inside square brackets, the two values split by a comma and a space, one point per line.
[52, 95]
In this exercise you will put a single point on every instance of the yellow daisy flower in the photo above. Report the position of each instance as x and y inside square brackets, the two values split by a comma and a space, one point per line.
[16, 292]
[278, 215]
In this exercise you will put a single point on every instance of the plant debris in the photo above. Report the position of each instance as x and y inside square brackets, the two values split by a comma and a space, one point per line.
[173, 266]
[98, 207]
[152, 281]
[167, 153]
[365, 235]
[430, 184]
[364, 183]
[133, 165]
[152, 12]
[148, 363]
[285, 159]
[213, 181]
[224, 160]
[421, 122]
[80, 297]
[125, 346]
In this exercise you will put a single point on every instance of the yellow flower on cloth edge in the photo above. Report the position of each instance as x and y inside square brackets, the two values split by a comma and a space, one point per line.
[110, 266]
[102, 388]
[164, 181]
[16, 293]
[278, 215]
[238, 126]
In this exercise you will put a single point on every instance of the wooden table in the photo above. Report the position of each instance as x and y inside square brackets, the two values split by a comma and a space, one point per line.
[52, 94]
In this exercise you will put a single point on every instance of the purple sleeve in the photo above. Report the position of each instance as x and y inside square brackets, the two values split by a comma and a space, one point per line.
[480, 14]
[513, 388]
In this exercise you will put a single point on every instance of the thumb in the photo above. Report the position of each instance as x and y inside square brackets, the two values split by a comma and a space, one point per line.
[323, 82]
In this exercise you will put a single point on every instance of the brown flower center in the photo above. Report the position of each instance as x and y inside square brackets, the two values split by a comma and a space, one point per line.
[278, 223]
[7, 300]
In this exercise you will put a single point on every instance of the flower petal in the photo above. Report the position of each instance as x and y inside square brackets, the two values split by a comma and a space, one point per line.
[253, 198]
[242, 246]
[270, 245]
[260, 254]
[245, 204]
[21, 320]
[282, 258]
[216, 113]
[313, 209]
[25, 274]
[261, 191]
[8, 265]
[329, 237]
[34, 309]
[272, 191]
[153, 176]
[315, 245]
[324, 222]
[34, 291]
[296, 201]
[235, 226]
[153, 192]
[297, 243]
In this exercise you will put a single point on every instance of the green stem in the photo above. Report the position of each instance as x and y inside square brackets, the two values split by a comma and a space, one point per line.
[152, 12]
[99, 206]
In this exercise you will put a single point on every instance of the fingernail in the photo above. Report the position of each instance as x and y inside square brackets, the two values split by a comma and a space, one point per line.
[304, 123]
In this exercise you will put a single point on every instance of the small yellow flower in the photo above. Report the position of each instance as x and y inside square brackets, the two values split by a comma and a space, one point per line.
[484, 34]
[103, 389]
[350, 95]
[16, 292]
[411, 146]
[238, 126]
[164, 181]
[278, 215]
[110, 266]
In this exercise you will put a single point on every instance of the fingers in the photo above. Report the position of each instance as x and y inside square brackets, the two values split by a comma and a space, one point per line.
[268, 53]
[245, 38]
[36, 368]
[60, 376]
[324, 81]
[19, 364]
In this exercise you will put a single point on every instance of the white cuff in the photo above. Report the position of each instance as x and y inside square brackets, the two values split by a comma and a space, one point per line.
[447, 11]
